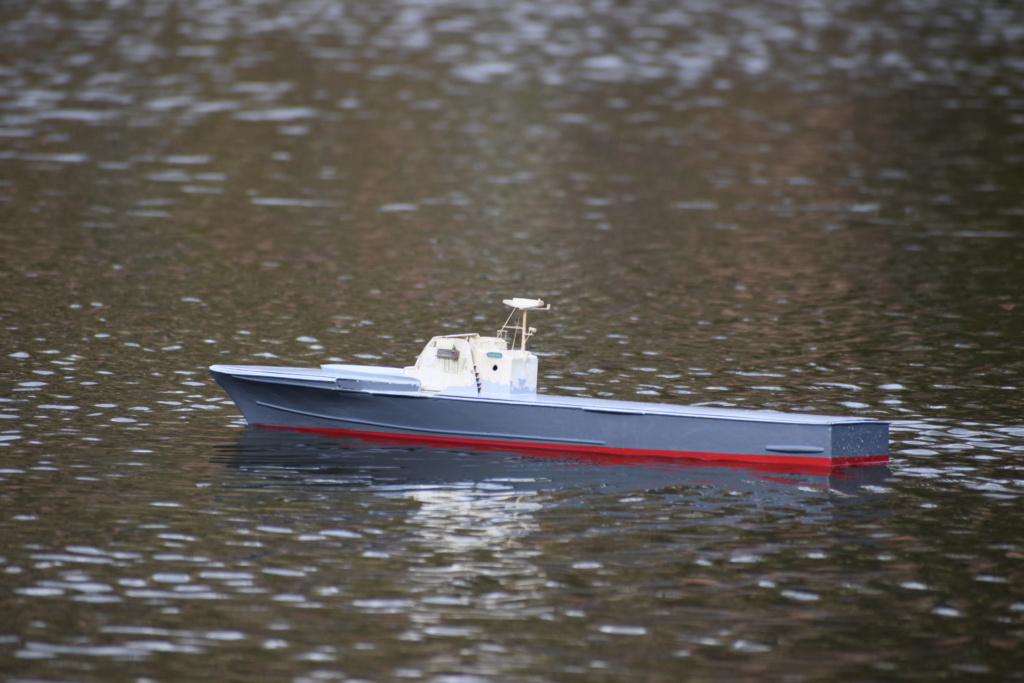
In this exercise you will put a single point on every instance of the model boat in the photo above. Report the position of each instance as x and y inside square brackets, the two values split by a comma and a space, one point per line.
[480, 392]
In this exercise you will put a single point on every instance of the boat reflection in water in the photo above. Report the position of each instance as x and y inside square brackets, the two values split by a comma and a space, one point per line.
[285, 457]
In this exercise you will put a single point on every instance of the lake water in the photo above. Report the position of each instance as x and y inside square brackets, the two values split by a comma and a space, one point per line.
[810, 206]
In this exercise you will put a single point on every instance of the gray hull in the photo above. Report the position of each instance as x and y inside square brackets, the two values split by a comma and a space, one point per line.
[379, 404]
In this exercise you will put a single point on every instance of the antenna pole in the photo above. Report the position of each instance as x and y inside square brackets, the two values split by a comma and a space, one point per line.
[524, 329]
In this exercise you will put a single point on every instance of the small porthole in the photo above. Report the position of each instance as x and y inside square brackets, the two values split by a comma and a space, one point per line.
[495, 368]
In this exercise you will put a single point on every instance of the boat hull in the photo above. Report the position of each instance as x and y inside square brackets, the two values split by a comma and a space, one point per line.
[386, 411]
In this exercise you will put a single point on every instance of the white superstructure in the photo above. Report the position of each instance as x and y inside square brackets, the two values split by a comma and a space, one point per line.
[486, 366]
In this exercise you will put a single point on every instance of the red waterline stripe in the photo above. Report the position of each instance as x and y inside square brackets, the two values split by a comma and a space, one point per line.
[545, 449]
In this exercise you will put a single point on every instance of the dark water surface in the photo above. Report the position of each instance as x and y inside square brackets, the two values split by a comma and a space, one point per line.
[810, 206]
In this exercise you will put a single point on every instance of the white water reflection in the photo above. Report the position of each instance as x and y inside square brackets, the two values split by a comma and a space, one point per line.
[467, 537]
[473, 515]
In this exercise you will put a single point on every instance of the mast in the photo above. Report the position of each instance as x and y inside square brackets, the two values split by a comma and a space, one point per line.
[525, 328]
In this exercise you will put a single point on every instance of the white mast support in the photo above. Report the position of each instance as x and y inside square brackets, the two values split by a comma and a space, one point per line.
[521, 306]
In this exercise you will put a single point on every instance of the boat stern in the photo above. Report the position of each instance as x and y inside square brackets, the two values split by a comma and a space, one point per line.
[865, 442]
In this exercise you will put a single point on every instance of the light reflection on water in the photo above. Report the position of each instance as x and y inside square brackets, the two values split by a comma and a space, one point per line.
[762, 205]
